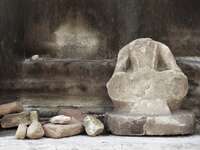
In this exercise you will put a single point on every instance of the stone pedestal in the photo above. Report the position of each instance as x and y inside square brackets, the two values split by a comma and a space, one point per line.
[147, 89]
[179, 123]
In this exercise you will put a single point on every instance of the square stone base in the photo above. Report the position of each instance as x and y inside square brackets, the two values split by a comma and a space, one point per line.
[179, 123]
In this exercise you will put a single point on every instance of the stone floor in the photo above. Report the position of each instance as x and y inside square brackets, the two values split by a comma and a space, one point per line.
[8, 142]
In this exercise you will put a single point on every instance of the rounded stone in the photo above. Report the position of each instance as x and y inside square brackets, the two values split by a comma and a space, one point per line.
[21, 131]
[93, 126]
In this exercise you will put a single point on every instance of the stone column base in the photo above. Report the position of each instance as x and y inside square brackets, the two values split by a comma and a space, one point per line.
[179, 123]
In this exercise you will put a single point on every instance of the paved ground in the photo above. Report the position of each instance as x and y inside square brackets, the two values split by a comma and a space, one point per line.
[8, 142]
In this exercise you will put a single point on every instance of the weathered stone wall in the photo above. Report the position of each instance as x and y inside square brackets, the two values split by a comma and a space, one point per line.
[56, 27]
[11, 35]
[83, 30]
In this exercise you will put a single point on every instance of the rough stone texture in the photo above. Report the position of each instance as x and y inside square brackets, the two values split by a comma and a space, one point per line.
[54, 83]
[179, 123]
[8, 142]
[35, 130]
[21, 131]
[14, 107]
[60, 131]
[191, 67]
[146, 88]
[93, 126]
[75, 113]
[61, 119]
[28, 24]
[13, 120]
[147, 79]
[110, 24]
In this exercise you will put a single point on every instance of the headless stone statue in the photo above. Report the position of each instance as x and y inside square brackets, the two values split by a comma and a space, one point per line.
[147, 81]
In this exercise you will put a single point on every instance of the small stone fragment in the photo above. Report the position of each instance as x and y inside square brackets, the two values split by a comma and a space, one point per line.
[60, 131]
[93, 126]
[35, 130]
[13, 120]
[21, 131]
[13, 107]
[73, 113]
[61, 119]
[35, 57]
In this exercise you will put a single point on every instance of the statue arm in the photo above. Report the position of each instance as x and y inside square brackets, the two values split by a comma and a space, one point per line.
[168, 58]
[122, 61]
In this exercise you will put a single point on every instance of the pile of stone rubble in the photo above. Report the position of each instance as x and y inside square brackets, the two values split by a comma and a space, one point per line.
[30, 126]
[147, 100]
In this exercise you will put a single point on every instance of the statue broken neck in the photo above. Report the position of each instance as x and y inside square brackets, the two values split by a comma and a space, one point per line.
[139, 87]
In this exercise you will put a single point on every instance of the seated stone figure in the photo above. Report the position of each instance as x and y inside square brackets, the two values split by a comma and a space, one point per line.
[147, 79]
[147, 89]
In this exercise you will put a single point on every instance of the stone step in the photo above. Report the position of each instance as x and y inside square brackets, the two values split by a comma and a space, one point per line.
[50, 84]
[106, 142]
[76, 77]
[68, 68]
[191, 67]
[78, 83]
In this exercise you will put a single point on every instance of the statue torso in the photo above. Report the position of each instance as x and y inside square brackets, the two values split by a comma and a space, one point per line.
[143, 58]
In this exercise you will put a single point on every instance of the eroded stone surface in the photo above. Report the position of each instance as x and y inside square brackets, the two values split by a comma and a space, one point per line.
[60, 131]
[146, 71]
[75, 113]
[21, 131]
[93, 126]
[13, 120]
[61, 119]
[35, 130]
[179, 123]
[110, 142]
[191, 67]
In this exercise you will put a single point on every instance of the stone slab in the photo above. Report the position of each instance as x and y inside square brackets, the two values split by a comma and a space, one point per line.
[60, 131]
[179, 123]
[8, 142]
[13, 120]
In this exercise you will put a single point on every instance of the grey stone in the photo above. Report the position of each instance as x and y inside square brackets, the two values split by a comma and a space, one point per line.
[60, 131]
[47, 84]
[179, 123]
[191, 67]
[93, 126]
[146, 88]
[21, 131]
[147, 79]
[13, 120]
[61, 119]
[110, 142]
[8, 108]
[35, 130]
[73, 112]
[35, 57]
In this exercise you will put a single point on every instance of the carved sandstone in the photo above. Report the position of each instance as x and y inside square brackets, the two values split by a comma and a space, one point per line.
[146, 82]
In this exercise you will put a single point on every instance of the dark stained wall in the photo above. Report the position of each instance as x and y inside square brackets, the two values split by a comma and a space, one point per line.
[28, 27]
[174, 22]
[11, 35]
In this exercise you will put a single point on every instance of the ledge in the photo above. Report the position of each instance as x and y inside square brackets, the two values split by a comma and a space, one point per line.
[110, 142]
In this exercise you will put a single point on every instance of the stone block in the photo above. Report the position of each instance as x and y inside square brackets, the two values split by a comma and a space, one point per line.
[60, 131]
[13, 120]
[179, 123]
